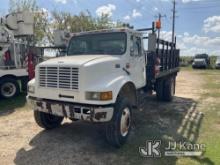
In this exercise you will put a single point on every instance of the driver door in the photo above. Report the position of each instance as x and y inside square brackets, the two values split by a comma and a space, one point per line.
[137, 61]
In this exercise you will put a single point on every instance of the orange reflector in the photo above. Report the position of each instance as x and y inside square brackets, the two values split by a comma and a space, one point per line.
[106, 95]
[158, 24]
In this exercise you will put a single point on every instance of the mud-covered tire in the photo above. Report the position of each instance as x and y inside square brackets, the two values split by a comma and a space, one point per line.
[169, 89]
[160, 90]
[118, 130]
[9, 88]
[47, 121]
[73, 119]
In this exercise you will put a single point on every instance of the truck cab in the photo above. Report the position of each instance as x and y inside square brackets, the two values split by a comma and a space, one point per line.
[201, 61]
[97, 81]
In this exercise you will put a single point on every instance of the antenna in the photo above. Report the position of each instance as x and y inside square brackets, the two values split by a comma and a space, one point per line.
[173, 21]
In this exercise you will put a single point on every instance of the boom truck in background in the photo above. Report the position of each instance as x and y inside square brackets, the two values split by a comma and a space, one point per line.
[99, 79]
[16, 60]
[201, 61]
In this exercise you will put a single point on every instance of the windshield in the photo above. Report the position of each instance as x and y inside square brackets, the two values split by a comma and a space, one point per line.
[102, 43]
[201, 56]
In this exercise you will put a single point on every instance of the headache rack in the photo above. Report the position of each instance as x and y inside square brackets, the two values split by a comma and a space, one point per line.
[167, 53]
[163, 51]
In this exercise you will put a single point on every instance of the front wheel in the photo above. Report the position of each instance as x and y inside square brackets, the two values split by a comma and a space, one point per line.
[46, 120]
[118, 130]
[9, 88]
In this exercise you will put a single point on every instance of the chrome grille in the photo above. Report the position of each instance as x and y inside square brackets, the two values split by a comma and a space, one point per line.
[59, 77]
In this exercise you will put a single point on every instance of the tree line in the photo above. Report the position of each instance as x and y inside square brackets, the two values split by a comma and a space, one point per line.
[46, 22]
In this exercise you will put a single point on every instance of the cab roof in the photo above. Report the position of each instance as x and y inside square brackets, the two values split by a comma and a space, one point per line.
[127, 30]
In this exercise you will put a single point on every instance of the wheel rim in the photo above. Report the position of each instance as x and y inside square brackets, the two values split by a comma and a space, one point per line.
[125, 121]
[8, 89]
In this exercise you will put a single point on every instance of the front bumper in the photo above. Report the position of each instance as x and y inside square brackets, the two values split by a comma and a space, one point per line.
[199, 65]
[71, 110]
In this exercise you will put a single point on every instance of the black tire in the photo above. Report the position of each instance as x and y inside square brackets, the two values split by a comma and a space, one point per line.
[46, 120]
[114, 131]
[160, 90]
[9, 88]
[24, 82]
[169, 89]
[73, 119]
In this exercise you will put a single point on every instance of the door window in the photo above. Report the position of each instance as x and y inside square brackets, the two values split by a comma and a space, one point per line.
[136, 46]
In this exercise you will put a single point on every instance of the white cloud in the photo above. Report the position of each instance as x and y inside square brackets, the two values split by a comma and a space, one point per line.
[186, 34]
[66, 1]
[200, 44]
[61, 1]
[166, 35]
[155, 9]
[201, 41]
[187, 1]
[191, 51]
[45, 12]
[136, 14]
[106, 10]
[183, 1]
[127, 18]
[194, 44]
[212, 24]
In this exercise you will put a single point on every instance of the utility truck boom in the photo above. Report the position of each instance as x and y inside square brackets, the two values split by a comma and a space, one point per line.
[13, 52]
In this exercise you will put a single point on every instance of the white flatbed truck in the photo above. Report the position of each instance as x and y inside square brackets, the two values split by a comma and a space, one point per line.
[99, 79]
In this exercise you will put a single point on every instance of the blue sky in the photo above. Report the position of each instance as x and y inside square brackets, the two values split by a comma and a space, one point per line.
[197, 22]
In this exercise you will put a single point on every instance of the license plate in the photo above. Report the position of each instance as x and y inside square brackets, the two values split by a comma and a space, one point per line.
[57, 109]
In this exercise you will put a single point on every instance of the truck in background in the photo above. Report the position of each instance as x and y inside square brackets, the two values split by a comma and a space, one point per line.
[217, 63]
[15, 54]
[201, 61]
[99, 79]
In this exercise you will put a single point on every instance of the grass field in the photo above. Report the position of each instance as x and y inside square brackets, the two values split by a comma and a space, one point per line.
[193, 116]
[207, 131]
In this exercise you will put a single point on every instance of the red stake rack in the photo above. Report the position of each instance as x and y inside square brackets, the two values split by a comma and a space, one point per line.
[30, 65]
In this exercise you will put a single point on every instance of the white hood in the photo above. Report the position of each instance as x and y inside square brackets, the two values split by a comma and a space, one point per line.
[76, 60]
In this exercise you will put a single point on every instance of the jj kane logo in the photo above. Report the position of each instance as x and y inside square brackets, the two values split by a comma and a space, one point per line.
[152, 149]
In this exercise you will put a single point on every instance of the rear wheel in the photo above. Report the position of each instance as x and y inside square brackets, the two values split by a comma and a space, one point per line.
[165, 89]
[9, 88]
[169, 89]
[118, 130]
[160, 90]
[46, 120]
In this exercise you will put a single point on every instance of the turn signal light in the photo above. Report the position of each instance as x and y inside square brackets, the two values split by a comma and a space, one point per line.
[106, 95]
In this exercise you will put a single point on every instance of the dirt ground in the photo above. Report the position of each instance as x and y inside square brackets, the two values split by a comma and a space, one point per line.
[22, 142]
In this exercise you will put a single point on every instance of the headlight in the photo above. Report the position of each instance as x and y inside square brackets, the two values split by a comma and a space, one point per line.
[31, 89]
[104, 96]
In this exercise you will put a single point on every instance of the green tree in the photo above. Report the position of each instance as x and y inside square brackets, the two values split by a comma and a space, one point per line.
[43, 27]
[82, 22]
